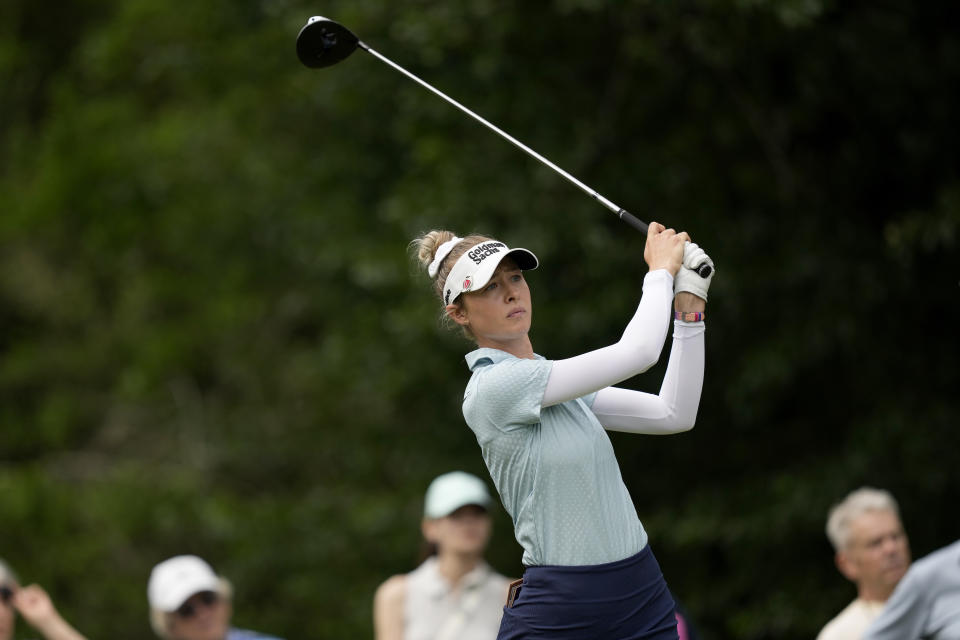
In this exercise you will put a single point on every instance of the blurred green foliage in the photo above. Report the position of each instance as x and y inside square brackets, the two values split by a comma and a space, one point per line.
[212, 338]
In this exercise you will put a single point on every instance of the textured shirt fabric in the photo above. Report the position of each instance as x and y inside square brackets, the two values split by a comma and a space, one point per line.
[926, 602]
[554, 467]
[852, 622]
[433, 609]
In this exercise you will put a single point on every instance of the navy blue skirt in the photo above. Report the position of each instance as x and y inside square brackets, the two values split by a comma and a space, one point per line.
[623, 600]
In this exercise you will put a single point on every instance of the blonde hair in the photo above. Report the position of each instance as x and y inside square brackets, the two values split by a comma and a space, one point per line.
[160, 620]
[425, 247]
[856, 504]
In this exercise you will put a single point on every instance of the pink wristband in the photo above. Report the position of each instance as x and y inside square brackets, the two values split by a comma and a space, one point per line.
[689, 316]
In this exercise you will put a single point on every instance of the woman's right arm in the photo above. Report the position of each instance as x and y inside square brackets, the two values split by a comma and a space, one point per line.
[640, 346]
[388, 609]
[637, 350]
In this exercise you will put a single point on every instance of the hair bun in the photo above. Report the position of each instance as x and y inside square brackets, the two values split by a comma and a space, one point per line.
[428, 243]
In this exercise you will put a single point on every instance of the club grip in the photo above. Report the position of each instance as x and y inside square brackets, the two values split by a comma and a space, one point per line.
[632, 220]
[704, 270]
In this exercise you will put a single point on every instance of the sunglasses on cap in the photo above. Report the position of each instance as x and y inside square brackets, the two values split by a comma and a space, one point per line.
[6, 594]
[188, 610]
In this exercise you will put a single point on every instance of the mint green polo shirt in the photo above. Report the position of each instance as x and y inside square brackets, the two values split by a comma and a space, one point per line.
[554, 468]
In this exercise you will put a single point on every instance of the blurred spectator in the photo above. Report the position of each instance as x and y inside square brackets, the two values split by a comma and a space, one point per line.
[188, 601]
[926, 603]
[34, 605]
[454, 594]
[872, 551]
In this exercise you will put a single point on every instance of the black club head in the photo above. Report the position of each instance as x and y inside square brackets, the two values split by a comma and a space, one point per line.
[323, 42]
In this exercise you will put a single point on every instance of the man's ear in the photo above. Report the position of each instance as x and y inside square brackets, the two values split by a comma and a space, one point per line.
[846, 566]
[458, 314]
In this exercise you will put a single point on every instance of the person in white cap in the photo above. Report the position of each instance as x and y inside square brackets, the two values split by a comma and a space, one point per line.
[454, 594]
[541, 428]
[33, 603]
[189, 601]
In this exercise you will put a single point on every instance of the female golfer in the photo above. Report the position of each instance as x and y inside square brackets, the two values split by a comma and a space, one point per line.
[540, 425]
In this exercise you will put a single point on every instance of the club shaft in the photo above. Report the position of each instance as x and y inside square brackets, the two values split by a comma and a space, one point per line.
[623, 214]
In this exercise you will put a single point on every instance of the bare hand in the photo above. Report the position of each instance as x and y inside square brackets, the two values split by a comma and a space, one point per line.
[34, 605]
[664, 248]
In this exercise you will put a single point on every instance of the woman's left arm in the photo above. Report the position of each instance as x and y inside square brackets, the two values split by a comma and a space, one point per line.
[672, 411]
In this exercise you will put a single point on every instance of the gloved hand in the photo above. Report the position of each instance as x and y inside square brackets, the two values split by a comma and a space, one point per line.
[687, 279]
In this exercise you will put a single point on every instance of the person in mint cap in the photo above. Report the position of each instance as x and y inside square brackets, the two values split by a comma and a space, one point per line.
[541, 426]
[454, 594]
[189, 601]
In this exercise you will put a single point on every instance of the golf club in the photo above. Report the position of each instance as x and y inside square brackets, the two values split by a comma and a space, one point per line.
[323, 42]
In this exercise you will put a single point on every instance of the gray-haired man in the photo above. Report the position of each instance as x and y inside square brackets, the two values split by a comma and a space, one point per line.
[872, 551]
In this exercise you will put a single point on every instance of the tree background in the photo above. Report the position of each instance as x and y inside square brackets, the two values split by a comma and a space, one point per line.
[213, 340]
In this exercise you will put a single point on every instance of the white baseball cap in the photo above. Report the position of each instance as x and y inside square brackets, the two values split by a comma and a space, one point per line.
[453, 490]
[173, 581]
[473, 270]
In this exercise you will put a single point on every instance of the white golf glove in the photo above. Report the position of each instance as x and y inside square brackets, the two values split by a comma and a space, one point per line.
[687, 279]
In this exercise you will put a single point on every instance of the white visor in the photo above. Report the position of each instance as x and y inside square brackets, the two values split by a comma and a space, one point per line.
[474, 268]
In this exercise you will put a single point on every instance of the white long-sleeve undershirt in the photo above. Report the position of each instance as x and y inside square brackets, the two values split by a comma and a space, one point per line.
[675, 408]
